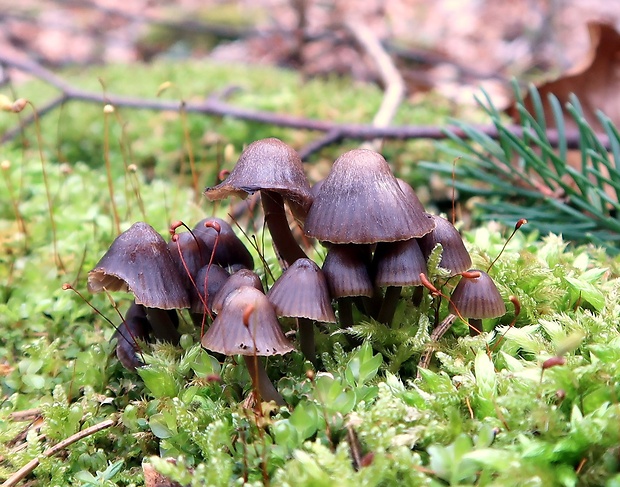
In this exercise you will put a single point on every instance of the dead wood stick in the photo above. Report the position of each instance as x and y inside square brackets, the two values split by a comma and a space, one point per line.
[25, 415]
[217, 107]
[34, 463]
[394, 85]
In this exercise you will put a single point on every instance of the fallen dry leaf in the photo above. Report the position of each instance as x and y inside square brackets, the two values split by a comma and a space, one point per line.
[595, 81]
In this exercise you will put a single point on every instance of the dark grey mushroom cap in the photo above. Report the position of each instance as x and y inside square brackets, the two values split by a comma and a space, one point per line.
[360, 201]
[302, 292]
[263, 336]
[454, 256]
[243, 277]
[267, 164]
[398, 263]
[140, 262]
[477, 298]
[346, 272]
[214, 277]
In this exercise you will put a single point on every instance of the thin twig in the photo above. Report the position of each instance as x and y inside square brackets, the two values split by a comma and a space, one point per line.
[34, 463]
[216, 107]
[315, 146]
[25, 415]
[393, 82]
[436, 335]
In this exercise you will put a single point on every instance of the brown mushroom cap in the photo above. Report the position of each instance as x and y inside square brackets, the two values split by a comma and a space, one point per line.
[346, 272]
[243, 277]
[398, 263]
[263, 336]
[454, 256]
[477, 297]
[267, 164]
[139, 261]
[215, 277]
[302, 292]
[360, 201]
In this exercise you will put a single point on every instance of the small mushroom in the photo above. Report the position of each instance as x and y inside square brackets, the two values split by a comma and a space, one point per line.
[454, 256]
[243, 277]
[396, 264]
[301, 292]
[248, 326]
[345, 268]
[139, 261]
[476, 297]
[361, 202]
[275, 169]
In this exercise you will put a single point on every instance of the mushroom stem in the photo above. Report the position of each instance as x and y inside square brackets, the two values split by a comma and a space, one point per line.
[475, 327]
[261, 382]
[280, 231]
[306, 339]
[162, 324]
[418, 295]
[390, 302]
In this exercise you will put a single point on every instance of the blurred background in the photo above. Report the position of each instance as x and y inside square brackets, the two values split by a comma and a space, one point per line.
[447, 45]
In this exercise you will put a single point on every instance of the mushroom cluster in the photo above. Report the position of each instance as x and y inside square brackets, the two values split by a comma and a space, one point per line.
[378, 239]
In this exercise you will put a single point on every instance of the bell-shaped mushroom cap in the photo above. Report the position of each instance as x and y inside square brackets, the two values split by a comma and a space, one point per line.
[243, 277]
[214, 276]
[477, 297]
[454, 256]
[346, 272]
[139, 261]
[228, 334]
[302, 292]
[230, 250]
[360, 201]
[410, 194]
[267, 164]
[398, 263]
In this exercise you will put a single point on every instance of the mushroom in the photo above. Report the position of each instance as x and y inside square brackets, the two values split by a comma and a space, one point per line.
[396, 264]
[347, 277]
[476, 297]
[361, 202]
[248, 326]
[243, 277]
[139, 261]
[275, 169]
[454, 256]
[301, 292]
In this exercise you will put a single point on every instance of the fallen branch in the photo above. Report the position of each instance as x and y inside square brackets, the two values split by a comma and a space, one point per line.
[25, 415]
[393, 82]
[217, 107]
[34, 463]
